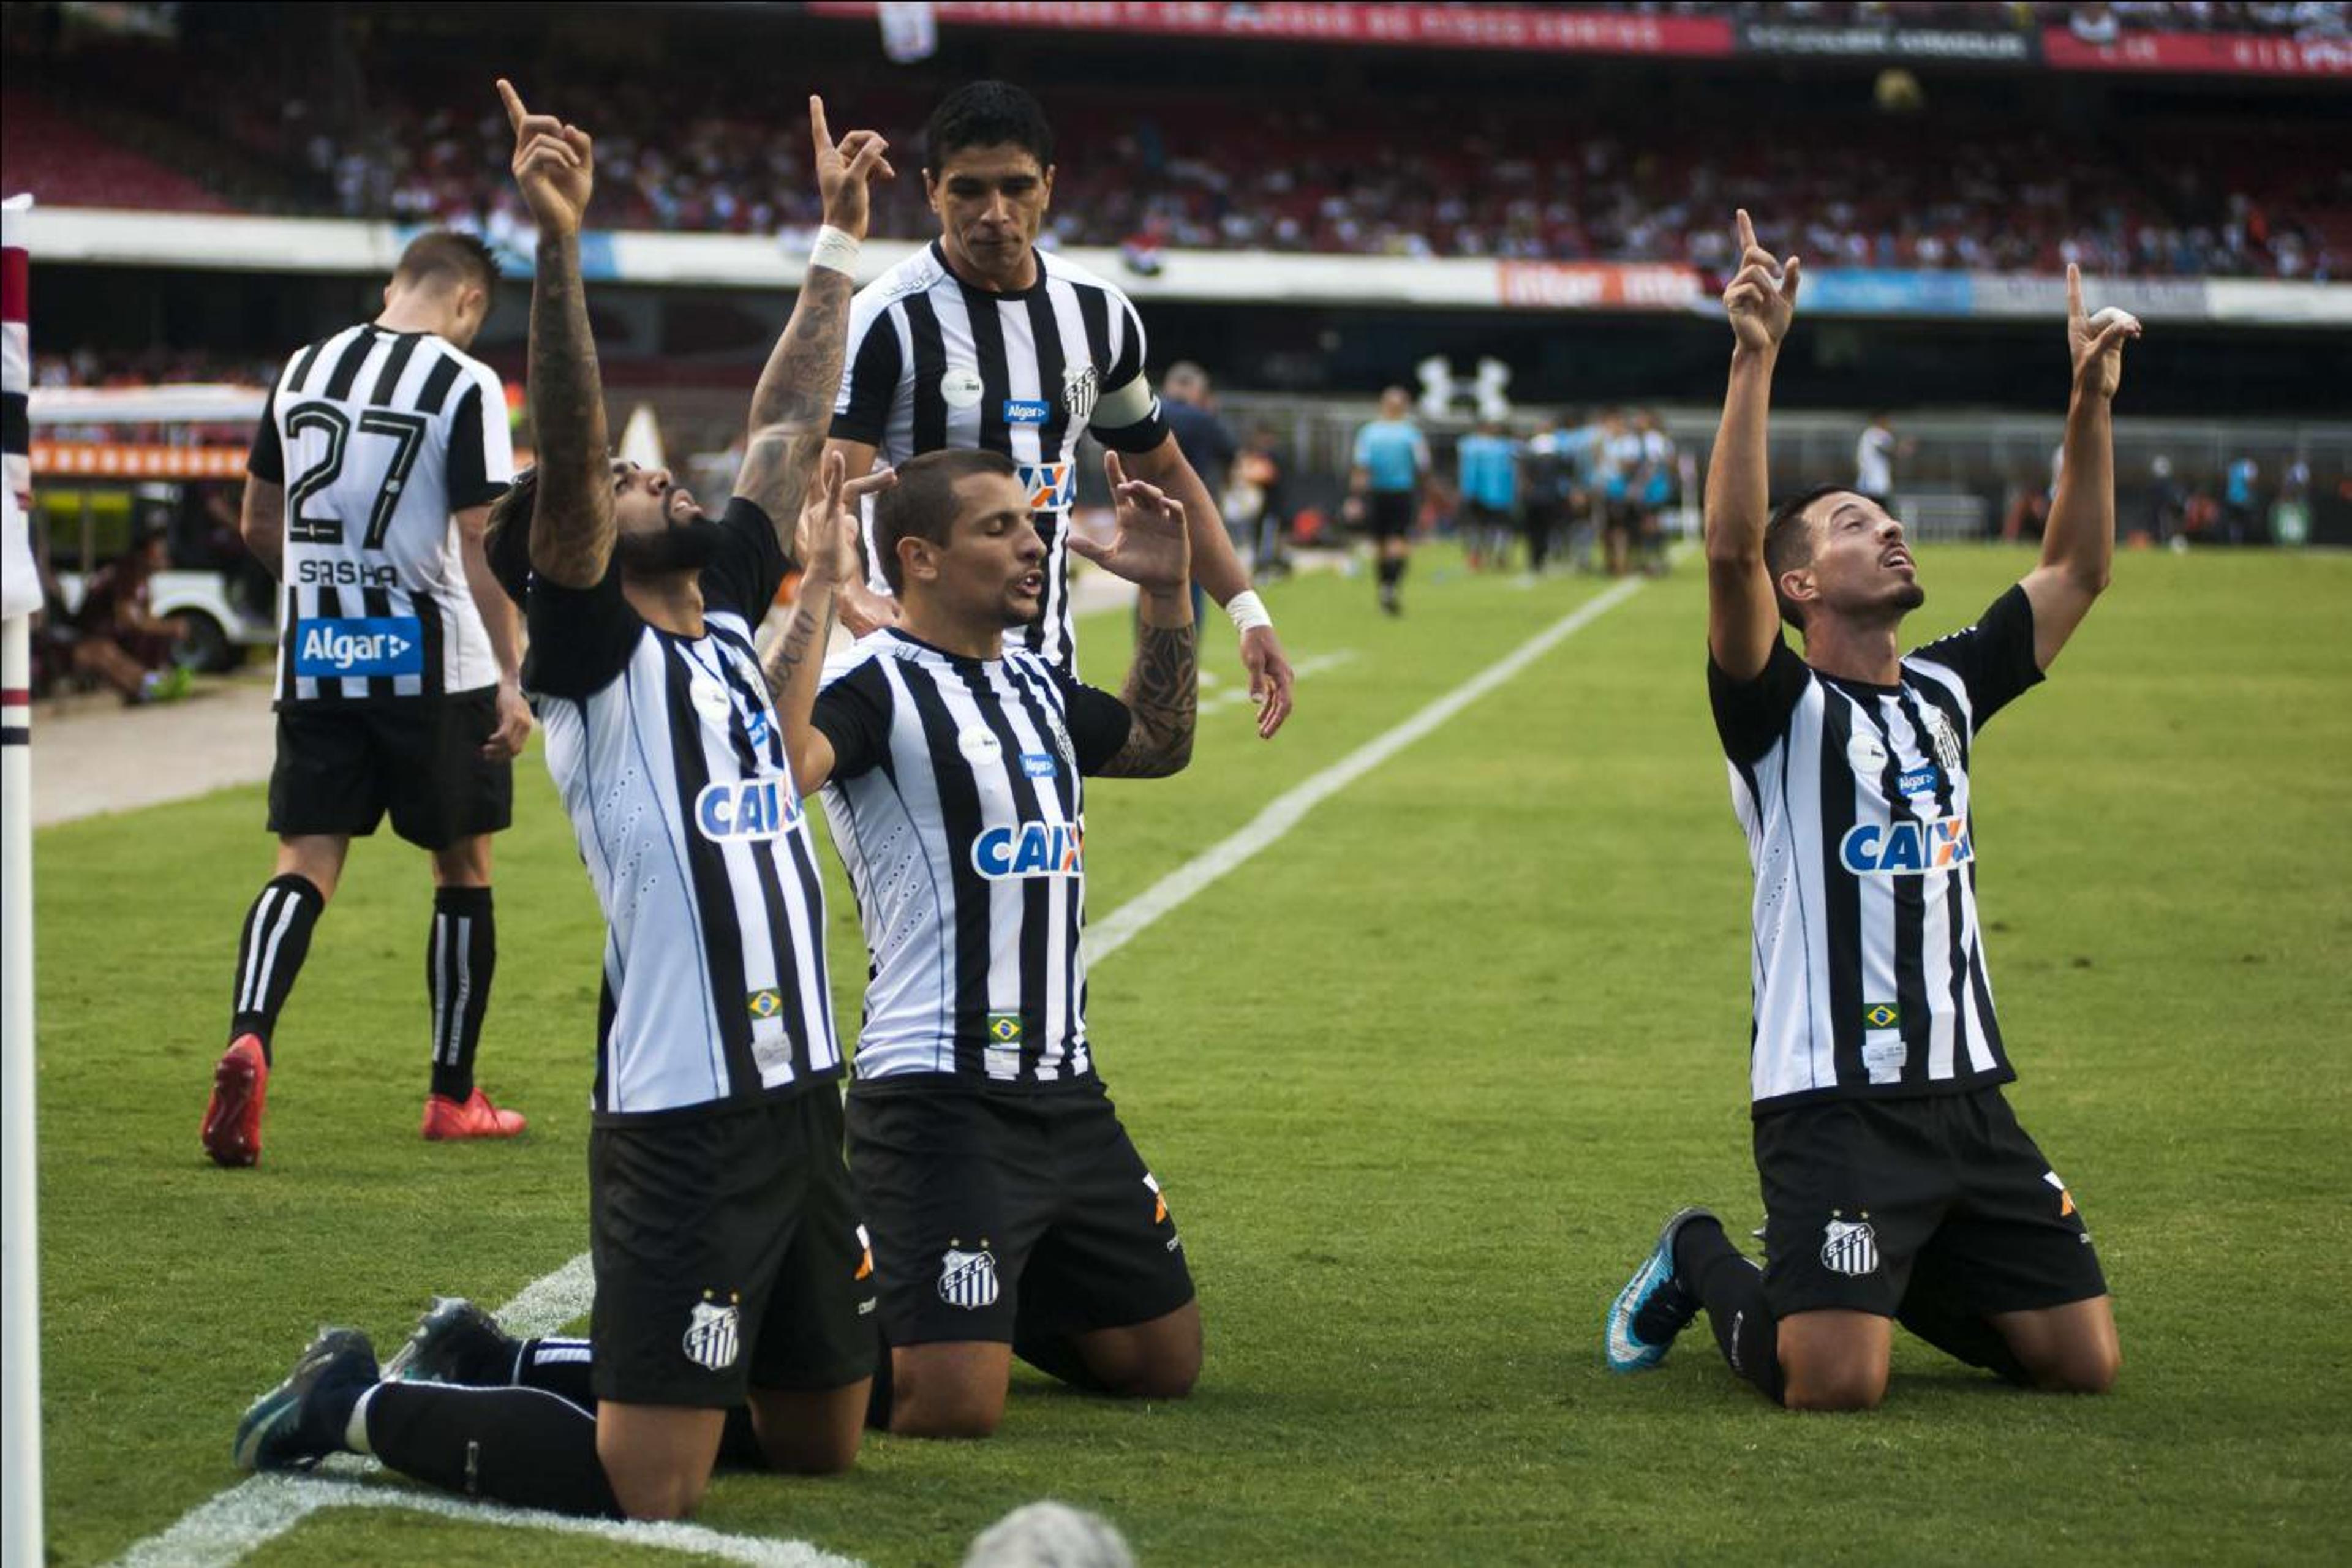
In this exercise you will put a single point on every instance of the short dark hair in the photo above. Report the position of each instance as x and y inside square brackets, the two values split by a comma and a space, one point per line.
[506, 540]
[450, 258]
[922, 504]
[1788, 543]
[987, 114]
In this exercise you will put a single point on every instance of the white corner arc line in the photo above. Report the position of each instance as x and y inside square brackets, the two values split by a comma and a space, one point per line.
[1125, 923]
[219, 1533]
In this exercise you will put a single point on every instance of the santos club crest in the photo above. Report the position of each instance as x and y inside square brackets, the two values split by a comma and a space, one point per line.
[1081, 385]
[968, 1280]
[714, 1334]
[1849, 1246]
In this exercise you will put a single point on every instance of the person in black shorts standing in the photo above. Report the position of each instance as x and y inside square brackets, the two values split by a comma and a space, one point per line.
[1388, 473]
[1010, 1212]
[1898, 1187]
[730, 1270]
[369, 488]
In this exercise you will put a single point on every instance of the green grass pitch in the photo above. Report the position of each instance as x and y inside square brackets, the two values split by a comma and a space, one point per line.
[1420, 1080]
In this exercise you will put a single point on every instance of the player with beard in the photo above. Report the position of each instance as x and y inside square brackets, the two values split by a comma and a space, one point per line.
[730, 1271]
[1898, 1187]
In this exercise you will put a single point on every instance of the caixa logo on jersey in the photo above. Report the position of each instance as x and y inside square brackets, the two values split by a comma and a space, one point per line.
[1906, 849]
[1030, 849]
[746, 809]
[1052, 487]
[360, 646]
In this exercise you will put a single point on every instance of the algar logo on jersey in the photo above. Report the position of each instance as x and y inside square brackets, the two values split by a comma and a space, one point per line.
[360, 646]
[744, 809]
[1906, 849]
[1030, 849]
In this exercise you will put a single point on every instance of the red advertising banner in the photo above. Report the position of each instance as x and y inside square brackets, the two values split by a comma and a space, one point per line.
[1595, 286]
[2215, 54]
[1437, 26]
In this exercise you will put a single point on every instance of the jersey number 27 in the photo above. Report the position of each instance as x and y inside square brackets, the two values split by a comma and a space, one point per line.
[406, 432]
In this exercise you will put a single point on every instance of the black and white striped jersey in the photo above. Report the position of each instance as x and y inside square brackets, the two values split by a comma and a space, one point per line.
[672, 765]
[378, 436]
[958, 804]
[934, 362]
[1868, 960]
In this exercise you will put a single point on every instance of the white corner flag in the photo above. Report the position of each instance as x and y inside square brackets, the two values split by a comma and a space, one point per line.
[20, 1296]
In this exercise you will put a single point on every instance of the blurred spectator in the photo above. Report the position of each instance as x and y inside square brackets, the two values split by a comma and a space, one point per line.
[1257, 506]
[116, 635]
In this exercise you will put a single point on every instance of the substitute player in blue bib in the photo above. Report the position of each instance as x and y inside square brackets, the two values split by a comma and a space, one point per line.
[369, 488]
[1898, 1187]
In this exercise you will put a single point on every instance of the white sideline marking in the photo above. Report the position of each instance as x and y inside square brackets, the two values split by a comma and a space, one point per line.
[1129, 921]
[219, 1533]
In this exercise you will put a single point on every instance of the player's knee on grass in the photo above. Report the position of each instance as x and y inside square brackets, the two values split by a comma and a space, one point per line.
[811, 1433]
[1833, 1362]
[2071, 1349]
[1158, 1360]
[658, 1458]
[953, 1390]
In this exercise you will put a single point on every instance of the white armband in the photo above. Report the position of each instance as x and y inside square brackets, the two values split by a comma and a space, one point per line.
[834, 249]
[1247, 612]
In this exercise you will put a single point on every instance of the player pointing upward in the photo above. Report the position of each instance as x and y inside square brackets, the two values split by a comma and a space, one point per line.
[1898, 1185]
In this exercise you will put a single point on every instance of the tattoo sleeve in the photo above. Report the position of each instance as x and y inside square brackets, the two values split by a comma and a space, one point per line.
[571, 525]
[1162, 696]
[792, 409]
[805, 636]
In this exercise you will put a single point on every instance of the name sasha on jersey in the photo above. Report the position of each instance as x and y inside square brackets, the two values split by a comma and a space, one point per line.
[1906, 849]
[345, 575]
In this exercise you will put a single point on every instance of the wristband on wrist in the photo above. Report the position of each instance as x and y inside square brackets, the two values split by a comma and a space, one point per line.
[834, 249]
[1247, 612]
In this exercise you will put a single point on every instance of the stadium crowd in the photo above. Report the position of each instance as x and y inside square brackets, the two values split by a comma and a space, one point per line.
[1964, 186]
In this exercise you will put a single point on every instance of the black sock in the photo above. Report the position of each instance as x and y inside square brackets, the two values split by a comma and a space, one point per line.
[1392, 571]
[560, 1367]
[269, 955]
[516, 1445]
[1731, 1289]
[457, 969]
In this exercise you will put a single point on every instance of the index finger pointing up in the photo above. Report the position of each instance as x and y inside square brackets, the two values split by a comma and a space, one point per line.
[513, 100]
[2073, 292]
[817, 127]
[1747, 231]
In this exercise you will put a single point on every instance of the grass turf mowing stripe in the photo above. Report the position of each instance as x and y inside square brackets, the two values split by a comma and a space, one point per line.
[237, 1522]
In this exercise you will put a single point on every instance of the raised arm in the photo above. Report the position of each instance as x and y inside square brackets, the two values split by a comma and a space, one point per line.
[1743, 619]
[571, 525]
[1217, 569]
[1162, 693]
[829, 525]
[2078, 544]
[792, 406]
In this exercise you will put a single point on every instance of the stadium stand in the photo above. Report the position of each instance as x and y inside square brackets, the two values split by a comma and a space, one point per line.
[1972, 186]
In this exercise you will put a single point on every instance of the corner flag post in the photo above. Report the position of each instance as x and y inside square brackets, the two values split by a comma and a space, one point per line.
[20, 593]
